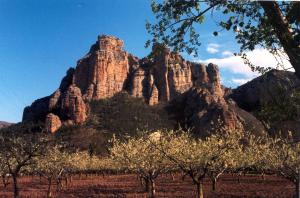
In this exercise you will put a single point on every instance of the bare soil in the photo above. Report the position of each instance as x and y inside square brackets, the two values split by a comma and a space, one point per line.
[111, 186]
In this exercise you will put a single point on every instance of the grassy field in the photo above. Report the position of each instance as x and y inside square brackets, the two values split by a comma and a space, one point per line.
[128, 186]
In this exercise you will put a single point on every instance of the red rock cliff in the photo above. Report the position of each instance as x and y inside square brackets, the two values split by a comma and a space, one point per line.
[107, 69]
[103, 71]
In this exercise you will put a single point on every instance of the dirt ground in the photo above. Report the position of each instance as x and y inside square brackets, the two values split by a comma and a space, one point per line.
[128, 186]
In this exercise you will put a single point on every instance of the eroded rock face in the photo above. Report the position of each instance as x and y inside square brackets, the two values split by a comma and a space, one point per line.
[72, 105]
[52, 123]
[64, 106]
[172, 74]
[162, 77]
[138, 83]
[205, 111]
[103, 71]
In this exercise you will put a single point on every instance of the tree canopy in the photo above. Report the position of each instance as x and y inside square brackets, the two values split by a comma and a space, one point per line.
[272, 25]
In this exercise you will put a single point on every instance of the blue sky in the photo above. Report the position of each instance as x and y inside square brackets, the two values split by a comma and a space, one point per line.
[41, 39]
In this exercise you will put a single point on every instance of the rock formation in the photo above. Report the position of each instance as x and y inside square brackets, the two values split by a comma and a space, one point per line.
[172, 74]
[161, 77]
[273, 88]
[263, 89]
[103, 71]
[52, 123]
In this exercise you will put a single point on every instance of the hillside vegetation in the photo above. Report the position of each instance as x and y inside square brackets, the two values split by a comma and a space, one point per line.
[121, 115]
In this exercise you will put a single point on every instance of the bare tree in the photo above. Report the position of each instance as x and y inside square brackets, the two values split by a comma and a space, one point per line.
[19, 151]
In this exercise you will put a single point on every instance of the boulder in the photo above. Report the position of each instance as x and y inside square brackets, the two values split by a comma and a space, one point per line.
[52, 123]
[72, 105]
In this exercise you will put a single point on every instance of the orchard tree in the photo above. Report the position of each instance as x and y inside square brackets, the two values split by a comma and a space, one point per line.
[199, 158]
[52, 164]
[141, 155]
[83, 162]
[222, 148]
[287, 161]
[273, 25]
[20, 151]
[106, 165]
[253, 153]
[3, 170]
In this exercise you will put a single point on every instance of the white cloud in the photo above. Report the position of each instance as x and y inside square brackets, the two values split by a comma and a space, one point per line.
[227, 53]
[214, 45]
[212, 48]
[235, 64]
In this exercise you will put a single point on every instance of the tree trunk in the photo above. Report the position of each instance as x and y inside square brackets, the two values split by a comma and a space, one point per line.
[147, 183]
[239, 177]
[144, 181]
[214, 184]
[200, 190]
[173, 176]
[153, 189]
[283, 33]
[16, 188]
[66, 182]
[263, 176]
[298, 186]
[49, 187]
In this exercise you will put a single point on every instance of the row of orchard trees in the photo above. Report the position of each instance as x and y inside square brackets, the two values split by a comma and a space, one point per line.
[151, 155]
[161, 152]
[39, 155]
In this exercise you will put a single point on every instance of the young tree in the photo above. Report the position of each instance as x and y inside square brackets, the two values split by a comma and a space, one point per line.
[83, 162]
[52, 164]
[198, 158]
[271, 24]
[3, 170]
[253, 153]
[224, 146]
[287, 161]
[141, 156]
[20, 151]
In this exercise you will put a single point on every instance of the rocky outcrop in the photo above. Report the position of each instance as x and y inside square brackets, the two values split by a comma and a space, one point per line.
[264, 89]
[103, 71]
[37, 111]
[206, 110]
[72, 105]
[52, 123]
[138, 83]
[64, 106]
[172, 74]
[161, 77]
[263, 95]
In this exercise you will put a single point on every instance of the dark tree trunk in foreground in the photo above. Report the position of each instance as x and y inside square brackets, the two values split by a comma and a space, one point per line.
[16, 188]
[214, 184]
[283, 33]
[153, 189]
[146, 183]
[200, 190]
[298, 187]
[49, 187]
